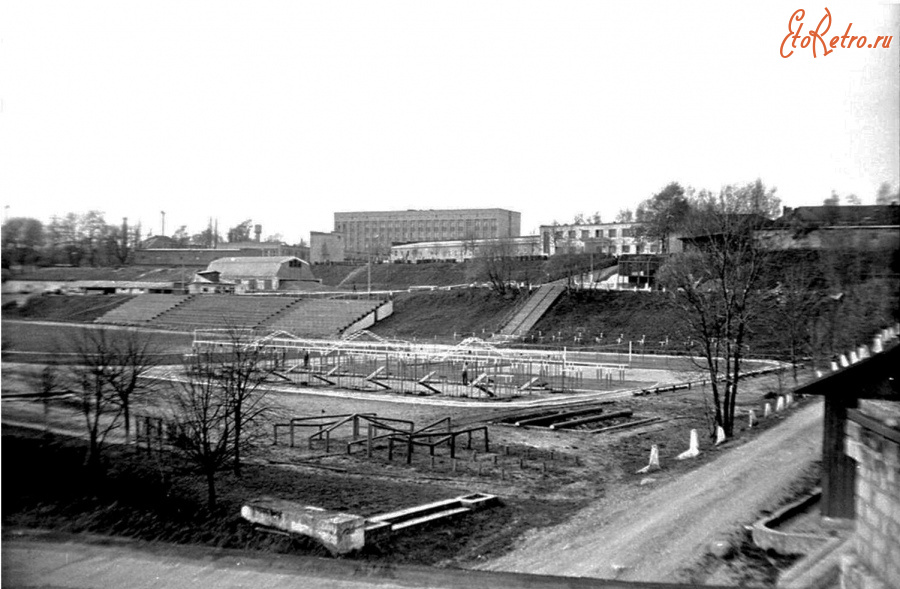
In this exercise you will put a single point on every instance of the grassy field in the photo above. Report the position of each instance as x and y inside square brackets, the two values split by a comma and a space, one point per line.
[25, 341]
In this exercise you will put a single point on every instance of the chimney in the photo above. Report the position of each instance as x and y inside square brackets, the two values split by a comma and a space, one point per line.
[257, 229]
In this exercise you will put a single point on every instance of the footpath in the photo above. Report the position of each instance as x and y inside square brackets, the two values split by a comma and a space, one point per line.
[654, 536]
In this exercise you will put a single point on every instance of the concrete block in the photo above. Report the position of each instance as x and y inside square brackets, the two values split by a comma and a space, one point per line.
[654, 461]
[720, 435]
[339, 532]
[844, 362]
[767, 410]
[882, 503]
[864, 532]
[891, 451]
[779, 404]
[876, 560]
[693, 447]
[854, 358]
[863, 490]
[877, 345]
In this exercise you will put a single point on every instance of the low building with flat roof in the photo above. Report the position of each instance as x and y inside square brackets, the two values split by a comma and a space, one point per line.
[614, 239]
[526, 247]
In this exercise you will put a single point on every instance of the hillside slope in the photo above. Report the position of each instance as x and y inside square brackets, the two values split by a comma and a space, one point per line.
[440, 314]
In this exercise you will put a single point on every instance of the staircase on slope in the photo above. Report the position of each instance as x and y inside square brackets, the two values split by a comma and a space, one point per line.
[522, 322]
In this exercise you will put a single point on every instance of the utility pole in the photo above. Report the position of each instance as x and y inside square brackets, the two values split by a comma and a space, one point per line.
[369, 282]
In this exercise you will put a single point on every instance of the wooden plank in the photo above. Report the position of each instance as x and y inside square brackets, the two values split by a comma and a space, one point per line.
[591, 419]
[872, 424]
[838, 469]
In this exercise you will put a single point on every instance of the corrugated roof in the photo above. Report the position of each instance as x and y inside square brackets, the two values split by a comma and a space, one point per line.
[120, 284]
[261, 267]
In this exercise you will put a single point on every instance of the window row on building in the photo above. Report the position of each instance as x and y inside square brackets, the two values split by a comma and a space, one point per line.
[603, 238]
[374, 232]
[526, 247]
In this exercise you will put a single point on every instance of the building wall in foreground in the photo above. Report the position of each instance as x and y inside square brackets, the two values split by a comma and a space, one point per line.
[876, 562]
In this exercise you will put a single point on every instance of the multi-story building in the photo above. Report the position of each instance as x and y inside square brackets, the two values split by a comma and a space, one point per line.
[373, 232]
[605, 238]
[325, 248]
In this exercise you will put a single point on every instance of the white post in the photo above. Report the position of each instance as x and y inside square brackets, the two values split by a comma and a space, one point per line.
[693, 448]
[720, 435]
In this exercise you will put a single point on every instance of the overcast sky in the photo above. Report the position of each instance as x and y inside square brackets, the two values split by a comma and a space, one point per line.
[285, 112]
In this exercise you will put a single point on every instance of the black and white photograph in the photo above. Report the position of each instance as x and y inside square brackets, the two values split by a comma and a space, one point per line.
[402, 294]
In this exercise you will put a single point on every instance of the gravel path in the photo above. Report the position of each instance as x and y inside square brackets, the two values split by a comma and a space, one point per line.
[654, 535]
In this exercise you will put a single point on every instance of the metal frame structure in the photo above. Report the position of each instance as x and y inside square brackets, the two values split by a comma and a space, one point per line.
[473, 367]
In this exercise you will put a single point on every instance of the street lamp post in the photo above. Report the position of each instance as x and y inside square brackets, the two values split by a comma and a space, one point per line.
[369, 269]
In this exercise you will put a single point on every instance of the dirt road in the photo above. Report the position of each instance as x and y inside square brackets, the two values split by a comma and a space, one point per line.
[34, 559]
[652, 536]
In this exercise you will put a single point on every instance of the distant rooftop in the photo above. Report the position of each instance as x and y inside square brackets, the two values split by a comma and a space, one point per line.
[830, 215]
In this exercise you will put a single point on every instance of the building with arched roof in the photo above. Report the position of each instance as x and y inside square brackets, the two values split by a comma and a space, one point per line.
[254, 274]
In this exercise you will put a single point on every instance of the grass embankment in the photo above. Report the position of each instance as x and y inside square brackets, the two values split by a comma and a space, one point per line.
[401, 276]
[440, 314]
[137, 273]
[82, 309]
[634, 315]
[592, 313]
[332, 274]
[159, 499]
[33, 342]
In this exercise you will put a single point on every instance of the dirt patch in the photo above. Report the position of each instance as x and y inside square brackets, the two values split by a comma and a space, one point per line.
[543, 476]
[747, 564]
[161, 501]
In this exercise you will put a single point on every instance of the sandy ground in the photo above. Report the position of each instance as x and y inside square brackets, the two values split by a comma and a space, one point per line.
[654, 536]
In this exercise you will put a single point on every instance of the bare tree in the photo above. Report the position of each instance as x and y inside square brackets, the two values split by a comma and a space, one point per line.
[46, 382]
[243, 370]
[96, 355]
[201, 414]
[796, 301]
[716, 284]
[132, 356]
[495, 259]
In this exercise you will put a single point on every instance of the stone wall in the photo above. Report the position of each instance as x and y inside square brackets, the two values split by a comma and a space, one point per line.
[876, 562]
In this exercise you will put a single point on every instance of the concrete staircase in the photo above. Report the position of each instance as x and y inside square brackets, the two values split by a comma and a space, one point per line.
[538, 303]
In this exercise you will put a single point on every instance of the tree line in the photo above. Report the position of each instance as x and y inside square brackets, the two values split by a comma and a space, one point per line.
[87, 239]
[207, 412]
[733, 272]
